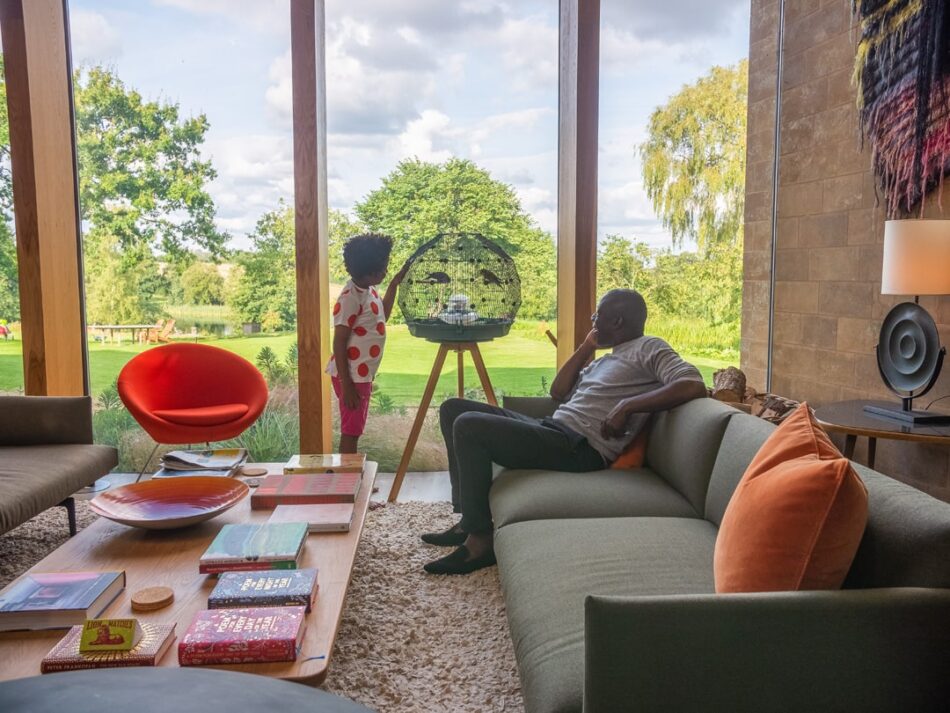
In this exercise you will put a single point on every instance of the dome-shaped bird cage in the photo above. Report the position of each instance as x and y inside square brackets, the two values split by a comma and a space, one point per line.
[460, 287]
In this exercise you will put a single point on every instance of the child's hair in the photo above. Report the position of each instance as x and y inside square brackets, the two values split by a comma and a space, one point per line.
[367, 254]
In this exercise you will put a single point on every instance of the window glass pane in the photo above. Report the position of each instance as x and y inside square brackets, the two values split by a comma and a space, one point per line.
[443, 118]
[186, 190]
[11, 338]
[673, 93]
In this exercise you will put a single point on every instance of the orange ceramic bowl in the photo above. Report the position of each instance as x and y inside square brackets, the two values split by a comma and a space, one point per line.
[167, 503]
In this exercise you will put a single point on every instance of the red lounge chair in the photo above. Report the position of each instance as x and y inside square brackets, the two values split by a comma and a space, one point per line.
[192, 393]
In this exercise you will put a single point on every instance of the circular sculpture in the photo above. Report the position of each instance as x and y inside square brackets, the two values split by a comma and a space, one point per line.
[460, 287]
[909, 355]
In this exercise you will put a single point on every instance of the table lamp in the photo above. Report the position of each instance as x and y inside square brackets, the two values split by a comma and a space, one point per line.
[909, 355]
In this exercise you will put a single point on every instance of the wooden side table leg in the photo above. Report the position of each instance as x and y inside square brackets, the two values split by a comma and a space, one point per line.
[872, 452]
[849, 442]
[483, 374]
[461, 375]
[417, 424]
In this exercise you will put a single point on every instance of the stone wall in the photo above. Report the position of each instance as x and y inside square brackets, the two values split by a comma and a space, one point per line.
[830, 229]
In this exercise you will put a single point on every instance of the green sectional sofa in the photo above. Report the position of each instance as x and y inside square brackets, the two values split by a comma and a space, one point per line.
[608, 580]
[46, 455]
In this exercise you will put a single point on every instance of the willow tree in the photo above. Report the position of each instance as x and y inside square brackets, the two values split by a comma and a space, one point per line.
[693, 162]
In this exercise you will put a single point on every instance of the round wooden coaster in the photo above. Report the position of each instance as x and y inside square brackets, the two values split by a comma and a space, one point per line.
[253, 471]
[152, 598]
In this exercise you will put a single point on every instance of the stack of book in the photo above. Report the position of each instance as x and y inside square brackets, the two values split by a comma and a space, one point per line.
[223, 462]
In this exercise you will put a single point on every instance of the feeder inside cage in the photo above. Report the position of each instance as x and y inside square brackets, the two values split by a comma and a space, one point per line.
[460, 287]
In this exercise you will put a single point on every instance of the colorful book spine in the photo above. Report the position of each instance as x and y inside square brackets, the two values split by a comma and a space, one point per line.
[234, 636]
[256, 566]
[264, 589]
[318, 489]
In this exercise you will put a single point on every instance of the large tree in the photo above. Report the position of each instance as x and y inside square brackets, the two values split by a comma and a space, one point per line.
[142, 190]
[419, 200]
[693, 162]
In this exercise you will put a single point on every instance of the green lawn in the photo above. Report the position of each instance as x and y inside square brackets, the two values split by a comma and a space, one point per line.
[516, 363]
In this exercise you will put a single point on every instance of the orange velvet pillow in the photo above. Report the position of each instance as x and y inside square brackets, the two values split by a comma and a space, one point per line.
[633, 455]
[797, 516]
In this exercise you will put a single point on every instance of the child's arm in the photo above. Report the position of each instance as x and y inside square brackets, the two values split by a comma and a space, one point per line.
[341, 340]
[390, 297]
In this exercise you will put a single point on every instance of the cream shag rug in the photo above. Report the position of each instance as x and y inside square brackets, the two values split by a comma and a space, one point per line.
[409, 642]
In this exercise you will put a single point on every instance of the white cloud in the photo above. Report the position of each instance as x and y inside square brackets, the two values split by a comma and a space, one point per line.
[529, 47]
[671, 20]
[271, 16]
[93, 38]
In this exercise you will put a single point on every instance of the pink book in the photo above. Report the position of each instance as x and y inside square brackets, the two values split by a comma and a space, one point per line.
[254, 635]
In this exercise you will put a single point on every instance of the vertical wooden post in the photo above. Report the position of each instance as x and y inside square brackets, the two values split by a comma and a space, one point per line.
[579, 67]
[308, 71]
[45, 195]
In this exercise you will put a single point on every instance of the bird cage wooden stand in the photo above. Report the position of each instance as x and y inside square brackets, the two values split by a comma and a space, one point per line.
[444, 348]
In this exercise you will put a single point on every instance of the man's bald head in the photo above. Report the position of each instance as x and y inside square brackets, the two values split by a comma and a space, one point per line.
[621, 316]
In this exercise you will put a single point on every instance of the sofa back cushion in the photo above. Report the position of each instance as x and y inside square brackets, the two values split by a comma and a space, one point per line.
[683, 445]
[907, 539]
[743, 437]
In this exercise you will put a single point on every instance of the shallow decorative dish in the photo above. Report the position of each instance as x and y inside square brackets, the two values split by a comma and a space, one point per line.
[167, 503]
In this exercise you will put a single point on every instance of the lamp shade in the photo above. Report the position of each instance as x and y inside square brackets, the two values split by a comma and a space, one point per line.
[916, 257]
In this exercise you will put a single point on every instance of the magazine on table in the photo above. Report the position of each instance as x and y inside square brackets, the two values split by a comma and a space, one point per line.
[222, 459]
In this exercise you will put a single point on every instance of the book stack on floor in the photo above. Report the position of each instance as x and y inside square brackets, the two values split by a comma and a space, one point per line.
[258, 608]
[223, 462]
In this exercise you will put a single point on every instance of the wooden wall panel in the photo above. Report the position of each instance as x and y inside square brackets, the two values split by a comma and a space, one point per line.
[39, 99]
[307, 43]
[579, 67]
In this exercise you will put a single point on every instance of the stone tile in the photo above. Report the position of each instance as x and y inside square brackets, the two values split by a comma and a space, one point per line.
[799, 199]
[798, 134]
[787, 232]
[842, 263]
[864, 228]
[844, 192]
[835, 125]
[845, 299]
[801, 297]
[823, 230]
[758, 206]
[795, 11]
[758, 234]
[764, 23]
[836, 368]
[757, 265]
[833, 55]
[857, 335]
[795, 360]
[791, 265]
[871, 260]
[787, 328]
[760, 146]
[761, 115]
[820, 332]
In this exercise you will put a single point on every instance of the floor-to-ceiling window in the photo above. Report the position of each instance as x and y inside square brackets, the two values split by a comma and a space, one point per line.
[442, 117]
[673, 88]
[11, 336]
[186, 193]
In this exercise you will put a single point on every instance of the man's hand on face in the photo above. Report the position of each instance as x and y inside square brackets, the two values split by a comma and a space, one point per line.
[591, 339]
[615, 425]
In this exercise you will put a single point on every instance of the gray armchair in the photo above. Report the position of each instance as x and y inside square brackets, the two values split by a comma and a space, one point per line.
[46, 455]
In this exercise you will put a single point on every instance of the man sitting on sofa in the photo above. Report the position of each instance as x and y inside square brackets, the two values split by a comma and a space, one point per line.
[602, 407]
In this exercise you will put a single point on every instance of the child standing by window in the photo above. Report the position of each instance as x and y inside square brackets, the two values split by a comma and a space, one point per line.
[359, 333]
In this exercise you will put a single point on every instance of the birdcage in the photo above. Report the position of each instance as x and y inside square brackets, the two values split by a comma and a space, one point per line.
[460, 287]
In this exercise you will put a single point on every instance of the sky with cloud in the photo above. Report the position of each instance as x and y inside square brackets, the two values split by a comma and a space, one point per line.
[425, 78]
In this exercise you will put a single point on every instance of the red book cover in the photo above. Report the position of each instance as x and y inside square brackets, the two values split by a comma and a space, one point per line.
[313, 489]
[253, 635]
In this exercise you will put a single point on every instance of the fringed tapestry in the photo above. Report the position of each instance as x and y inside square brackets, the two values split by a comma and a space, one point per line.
[902, 72]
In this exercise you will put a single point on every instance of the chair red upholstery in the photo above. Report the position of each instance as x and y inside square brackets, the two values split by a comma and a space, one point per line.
[192, 393]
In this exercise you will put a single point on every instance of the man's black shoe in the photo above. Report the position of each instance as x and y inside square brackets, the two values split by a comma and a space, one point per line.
[459, 563]
[453, 537]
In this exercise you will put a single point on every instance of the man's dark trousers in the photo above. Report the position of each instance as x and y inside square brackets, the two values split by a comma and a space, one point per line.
[477, 435]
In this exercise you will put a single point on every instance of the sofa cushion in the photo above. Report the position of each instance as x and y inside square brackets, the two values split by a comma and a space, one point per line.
[907, 539]
[743, 437]
[520, 495]
[796, 519]
[34, 478]
[548, 567]
[683, 446]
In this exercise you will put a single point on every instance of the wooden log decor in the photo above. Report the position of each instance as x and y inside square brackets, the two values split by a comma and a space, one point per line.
[729, 384]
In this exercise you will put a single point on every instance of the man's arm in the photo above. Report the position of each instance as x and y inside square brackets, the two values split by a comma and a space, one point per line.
[662, 399]
[564, 382]
[341, 340]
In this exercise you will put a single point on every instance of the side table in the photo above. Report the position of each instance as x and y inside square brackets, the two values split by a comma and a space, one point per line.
[850, 418]
[145, 689]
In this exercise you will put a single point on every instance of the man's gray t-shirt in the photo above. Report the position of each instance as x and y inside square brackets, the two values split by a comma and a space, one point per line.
[635, 367]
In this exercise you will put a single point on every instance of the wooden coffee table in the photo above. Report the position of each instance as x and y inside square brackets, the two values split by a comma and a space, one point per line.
[170, 558]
